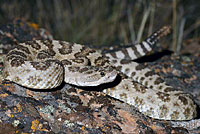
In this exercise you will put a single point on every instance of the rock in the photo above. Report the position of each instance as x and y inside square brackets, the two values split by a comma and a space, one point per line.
[68, 109]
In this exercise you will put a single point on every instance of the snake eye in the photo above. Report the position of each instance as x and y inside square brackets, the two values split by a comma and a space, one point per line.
[102, 74]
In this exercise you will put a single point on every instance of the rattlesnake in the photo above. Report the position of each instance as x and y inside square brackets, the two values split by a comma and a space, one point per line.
[44, 64]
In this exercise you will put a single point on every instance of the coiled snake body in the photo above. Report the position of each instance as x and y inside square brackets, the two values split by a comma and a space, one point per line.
[45, 64]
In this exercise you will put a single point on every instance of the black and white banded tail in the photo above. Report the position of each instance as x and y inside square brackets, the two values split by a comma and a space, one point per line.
[140, 49]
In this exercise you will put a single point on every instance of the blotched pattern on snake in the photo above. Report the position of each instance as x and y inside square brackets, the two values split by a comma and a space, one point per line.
[46, 64]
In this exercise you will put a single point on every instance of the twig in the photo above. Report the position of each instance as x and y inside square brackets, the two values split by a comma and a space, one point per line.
[180, 36]
[144, 20]
[130, 24]
[152, 15]
[174, 26]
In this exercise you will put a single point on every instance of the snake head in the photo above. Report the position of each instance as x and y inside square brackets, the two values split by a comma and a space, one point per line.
[89, 75]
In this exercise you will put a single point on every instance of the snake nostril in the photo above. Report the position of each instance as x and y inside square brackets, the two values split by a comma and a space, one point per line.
[102, 74]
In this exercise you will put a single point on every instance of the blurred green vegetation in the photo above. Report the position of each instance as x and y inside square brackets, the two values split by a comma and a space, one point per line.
[107, 22]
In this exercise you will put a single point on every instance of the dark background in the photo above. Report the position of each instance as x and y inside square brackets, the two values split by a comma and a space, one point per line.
[106, 22]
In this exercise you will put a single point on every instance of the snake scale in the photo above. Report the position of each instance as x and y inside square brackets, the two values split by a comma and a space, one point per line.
[45, 64]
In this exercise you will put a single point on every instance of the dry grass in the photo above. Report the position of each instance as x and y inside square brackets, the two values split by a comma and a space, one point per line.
[107, 21]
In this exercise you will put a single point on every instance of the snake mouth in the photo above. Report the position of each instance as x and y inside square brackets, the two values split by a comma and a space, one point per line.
[109, 77]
